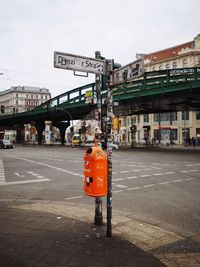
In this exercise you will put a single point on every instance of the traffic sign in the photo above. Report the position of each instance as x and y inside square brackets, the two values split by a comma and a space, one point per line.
[79, 63]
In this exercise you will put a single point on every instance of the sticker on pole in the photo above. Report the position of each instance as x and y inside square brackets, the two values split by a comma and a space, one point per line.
[79, 63]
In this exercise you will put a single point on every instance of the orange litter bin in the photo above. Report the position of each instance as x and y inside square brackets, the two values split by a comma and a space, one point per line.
[95, 172]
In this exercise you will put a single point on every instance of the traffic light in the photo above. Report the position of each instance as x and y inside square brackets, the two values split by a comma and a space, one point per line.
[2, 109]
[133, 128]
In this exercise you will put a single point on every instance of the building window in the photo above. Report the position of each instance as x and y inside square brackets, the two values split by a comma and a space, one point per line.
[45, 96]
[174, 134]
[160, 67]
[184, 63]
[146, 117]
[185, 115]
[16, 95]
[165, 116]
[198, 115]
[167, 66]
[155, 117]
[31, 96]
[16, 102]
[27, 96]
[174, 116]
[174, 65]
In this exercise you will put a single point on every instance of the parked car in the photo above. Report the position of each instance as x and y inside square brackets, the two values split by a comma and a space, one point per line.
[6, 144]
[76, 140]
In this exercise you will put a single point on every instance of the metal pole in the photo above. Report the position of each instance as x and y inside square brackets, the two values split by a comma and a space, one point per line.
[98, 218]
[109, 154]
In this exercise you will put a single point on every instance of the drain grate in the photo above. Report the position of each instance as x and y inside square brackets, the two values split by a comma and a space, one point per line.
[6, 203]
[181, 246]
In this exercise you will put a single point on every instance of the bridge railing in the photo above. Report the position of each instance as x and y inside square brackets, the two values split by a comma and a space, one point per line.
[71, 97]
[157, 82]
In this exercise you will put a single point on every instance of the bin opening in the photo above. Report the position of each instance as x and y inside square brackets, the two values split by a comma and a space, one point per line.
[89, 151]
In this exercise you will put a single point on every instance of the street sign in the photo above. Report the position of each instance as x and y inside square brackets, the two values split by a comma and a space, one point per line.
[79, 63]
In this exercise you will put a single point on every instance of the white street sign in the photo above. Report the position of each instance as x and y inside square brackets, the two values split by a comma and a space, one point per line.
[78, 63]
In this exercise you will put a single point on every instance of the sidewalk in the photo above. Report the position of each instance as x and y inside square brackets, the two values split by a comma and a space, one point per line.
[47, 233]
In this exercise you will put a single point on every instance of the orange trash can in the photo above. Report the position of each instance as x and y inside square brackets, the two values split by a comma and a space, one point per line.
[95, 172]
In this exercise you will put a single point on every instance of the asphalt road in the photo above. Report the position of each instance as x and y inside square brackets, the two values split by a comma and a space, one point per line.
[159, 186]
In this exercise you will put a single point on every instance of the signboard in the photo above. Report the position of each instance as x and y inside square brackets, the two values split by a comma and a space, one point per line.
[128, 72]
[79, 63]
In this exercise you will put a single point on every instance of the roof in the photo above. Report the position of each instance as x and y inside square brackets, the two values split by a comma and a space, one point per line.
[168, 53]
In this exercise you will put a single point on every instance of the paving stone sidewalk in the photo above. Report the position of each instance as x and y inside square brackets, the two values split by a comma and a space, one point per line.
[58, 234]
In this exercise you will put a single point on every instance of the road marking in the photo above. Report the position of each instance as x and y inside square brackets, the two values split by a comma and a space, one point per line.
[26, 182]
[49, 166]
[2, 173]
[195, 164]
[145, 175]
[123, 171]
[133, 188]
[163, 183]
[121, 186]
[156, 174]
[178, 180]
[188, 179]
[169, 172]
[148, 185]
[131, 177]
[118, 179]
[72, 198]
[19, 175]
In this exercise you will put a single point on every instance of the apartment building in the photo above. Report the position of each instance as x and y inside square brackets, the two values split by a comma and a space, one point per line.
[19, 99]
[175, 127]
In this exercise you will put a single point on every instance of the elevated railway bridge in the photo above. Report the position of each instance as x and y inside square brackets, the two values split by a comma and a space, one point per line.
[153, 92]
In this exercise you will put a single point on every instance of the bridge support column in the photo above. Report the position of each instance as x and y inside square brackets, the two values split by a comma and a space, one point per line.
[48, 132]
[62, 126]
[20, 135]
[40, 128]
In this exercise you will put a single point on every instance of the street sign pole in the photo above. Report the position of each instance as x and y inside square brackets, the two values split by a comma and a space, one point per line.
[109, 147]
[98, 219]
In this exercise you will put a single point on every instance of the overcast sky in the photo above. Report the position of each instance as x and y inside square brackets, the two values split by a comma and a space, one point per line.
[31, 30]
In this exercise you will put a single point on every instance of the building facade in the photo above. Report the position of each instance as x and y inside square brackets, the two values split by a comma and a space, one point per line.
[173, 127]
[19, 99]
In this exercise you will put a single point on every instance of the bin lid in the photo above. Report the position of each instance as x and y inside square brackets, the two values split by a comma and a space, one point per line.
[96, 153]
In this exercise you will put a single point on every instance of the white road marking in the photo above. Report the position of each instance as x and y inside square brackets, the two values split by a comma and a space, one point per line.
[163, 183]
[188, 179]
[2, 175]
[156, 174]
[49, 166]
[72, 198]
[26, 182]
[133, 188]
[148, 185]
[123, 171]
[178, 180]
[121, 186]
[169, 172]
[131, 177]
[19, 175]
[118, 179]
[195, 164]
[145, 175]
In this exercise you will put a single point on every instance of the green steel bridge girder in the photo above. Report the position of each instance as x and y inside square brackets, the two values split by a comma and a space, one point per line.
[148, 87]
